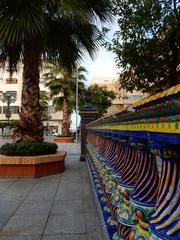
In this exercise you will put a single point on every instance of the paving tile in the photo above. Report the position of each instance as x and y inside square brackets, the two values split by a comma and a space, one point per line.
[67, 190]
[66, 224]
[24, 225]
[51, 179]
[8, 206]
[92, 222]
[26, 181]
[20, 237]
[63, 207]
[41, 195]
[70, 179]
[4, 218]
[71, 173]
[96, 235]
[8, 180]
[13, 196]
[67, 195]
[17, 191]
[26, 203]
[46, 185]
[3, 186]
[21, 186]
[89, 205]
[34, 207]
[65, 237]
[69, 186]
[87, 191]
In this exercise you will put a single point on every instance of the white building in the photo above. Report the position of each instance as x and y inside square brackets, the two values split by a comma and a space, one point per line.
[13, 86]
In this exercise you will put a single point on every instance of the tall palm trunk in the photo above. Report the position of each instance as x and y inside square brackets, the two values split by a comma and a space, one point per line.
[65, 123]
[30, 126]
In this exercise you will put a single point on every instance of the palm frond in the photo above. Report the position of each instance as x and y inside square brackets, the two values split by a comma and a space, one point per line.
[20, 20]
[58, 103]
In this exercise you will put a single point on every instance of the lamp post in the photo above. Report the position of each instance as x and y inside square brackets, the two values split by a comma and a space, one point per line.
[77, 72]
[7, 97]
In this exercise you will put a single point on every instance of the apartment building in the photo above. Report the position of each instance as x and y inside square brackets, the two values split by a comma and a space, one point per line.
[123, 98]
[13, 86]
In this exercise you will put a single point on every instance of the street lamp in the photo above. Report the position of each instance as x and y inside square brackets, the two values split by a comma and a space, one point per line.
[7, 97]
[77, 72]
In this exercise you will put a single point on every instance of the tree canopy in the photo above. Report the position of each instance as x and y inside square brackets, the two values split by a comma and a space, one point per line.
[147, 43]
[44, 102]
[100, 98]
[56, 30]
[62, 86]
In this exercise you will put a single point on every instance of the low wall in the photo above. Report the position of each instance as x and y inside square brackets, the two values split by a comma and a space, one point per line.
[32, 166]
[134, 158]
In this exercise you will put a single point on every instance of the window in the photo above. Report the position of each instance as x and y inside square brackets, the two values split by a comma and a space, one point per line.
[12, 109]
[51, 109]
[1, 81]
[8, 69]
[11, 80]
[1, 95]
[136, 97]
[0, 110]
[41, 81]
[12, 93]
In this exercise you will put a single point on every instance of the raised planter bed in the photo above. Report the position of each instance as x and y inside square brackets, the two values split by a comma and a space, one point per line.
[32, 166]
[64, 139]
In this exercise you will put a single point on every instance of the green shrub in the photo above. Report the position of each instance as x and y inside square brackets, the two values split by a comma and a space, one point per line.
[66, 135]
[28, 149]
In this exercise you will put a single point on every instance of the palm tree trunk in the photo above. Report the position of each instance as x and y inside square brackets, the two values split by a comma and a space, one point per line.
[65, 123]
[30, 127]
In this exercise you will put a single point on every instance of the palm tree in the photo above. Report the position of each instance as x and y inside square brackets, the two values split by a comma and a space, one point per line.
[35, 30]
[62, 85]
[44, 102]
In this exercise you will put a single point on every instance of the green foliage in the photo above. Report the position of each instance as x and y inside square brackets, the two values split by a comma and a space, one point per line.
[28, 149]
[33, 31]
[43, 102]
[62, 86]
[147, 44]
[60, 81]
[13, 123]
[66, 135]
[63, 29]
[2, 125]
[98, 97]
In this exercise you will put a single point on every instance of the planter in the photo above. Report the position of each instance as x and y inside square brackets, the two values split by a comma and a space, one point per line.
[64, 139]
[32, 166]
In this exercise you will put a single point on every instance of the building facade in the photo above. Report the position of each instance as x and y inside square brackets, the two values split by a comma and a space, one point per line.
[13, 86]
[123, 98]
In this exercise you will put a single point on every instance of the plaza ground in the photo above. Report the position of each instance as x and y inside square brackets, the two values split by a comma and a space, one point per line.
[57, 207]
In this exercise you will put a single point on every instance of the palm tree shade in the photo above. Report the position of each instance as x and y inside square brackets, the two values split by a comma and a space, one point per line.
[62, 86]
[35, 30]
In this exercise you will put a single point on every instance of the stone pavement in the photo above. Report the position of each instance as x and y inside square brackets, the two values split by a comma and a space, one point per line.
[57, 207]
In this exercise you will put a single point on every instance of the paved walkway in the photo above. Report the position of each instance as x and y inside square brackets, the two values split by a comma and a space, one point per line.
[58, 207]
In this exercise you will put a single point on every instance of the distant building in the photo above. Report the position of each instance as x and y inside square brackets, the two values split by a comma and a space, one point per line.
[123, 98]
[13, 86]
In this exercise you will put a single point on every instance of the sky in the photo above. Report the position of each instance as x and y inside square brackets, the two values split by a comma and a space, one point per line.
[102, 66]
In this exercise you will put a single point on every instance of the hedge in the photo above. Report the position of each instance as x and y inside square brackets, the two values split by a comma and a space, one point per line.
[28, 149]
